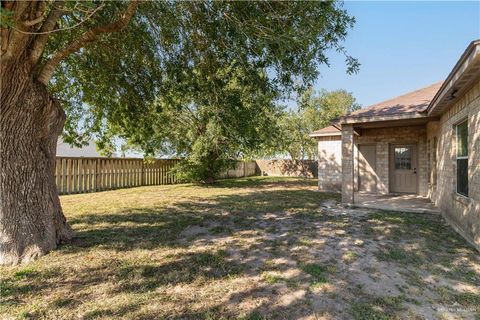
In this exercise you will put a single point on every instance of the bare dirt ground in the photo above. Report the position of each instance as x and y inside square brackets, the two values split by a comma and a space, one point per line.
[257, 248]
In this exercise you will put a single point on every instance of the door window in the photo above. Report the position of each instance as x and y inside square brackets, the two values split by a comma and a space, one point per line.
[403, 158]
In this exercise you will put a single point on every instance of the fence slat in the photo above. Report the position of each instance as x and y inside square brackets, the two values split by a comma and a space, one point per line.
[79, 176]
[75, 176]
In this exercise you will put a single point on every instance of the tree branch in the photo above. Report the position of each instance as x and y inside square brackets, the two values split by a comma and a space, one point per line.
[50, 22]
[49, 68]
[90, 14]
[33, 22]
[14, 42]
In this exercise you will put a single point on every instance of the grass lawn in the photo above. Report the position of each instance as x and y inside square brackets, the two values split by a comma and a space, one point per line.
[254, 248]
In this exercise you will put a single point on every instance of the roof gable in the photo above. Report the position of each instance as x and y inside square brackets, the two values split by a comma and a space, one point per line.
[413, 102]
[325, 132]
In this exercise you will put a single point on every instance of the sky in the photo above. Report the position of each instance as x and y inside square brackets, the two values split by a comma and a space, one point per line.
[402, 46]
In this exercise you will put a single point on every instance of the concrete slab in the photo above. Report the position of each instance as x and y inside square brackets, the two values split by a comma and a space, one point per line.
[396, 202]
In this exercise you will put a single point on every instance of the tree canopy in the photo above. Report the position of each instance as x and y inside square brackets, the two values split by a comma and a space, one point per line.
[179, 57]
[227, 113]
[315, 110]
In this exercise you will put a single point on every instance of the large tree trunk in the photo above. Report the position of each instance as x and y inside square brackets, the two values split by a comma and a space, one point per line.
[211, 171]
[31, 218]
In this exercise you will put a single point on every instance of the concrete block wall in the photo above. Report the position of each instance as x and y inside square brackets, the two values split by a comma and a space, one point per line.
[463, 213]
[330, 163]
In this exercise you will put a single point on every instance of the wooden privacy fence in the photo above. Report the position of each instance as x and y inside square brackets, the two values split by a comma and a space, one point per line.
[81, 175]
[242, 169]
[287, 168]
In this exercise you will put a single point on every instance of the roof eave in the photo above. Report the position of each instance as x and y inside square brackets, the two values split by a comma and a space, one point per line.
[318, 135]
[459, 78]
[365, 119]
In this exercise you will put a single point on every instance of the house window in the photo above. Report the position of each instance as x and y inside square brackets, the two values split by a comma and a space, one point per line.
[462, 158]
[403, 158]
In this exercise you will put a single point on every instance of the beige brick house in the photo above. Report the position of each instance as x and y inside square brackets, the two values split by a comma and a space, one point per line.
[424, 143]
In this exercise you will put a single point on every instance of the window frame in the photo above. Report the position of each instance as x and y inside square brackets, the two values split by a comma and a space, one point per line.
[457, 157]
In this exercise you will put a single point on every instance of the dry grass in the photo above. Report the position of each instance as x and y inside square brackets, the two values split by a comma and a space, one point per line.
[249, 248]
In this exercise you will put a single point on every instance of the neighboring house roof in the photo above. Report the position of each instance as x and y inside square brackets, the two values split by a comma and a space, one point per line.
[325, 132]
[65, 150]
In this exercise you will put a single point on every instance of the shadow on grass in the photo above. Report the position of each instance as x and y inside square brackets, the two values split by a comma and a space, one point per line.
[157, 227]
[131, 276]
[264, 182]
[183, 269]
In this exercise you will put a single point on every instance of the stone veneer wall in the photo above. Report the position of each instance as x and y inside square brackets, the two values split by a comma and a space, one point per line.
[432, 162]
[461, 212]
[383, 138]
[348, 164]
[330, 163]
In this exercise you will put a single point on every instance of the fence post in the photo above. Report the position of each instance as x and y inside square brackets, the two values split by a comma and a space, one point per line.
[95, 185]
[142, 174]
[244, 169]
